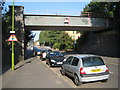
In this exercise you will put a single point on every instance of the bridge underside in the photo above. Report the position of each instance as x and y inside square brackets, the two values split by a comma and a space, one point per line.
[66, 28]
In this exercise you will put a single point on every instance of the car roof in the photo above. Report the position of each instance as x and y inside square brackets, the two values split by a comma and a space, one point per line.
[84, 55]
[54, 51]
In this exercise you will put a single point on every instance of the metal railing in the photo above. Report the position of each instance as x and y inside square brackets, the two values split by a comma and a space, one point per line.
[52, 12]
[67, 13]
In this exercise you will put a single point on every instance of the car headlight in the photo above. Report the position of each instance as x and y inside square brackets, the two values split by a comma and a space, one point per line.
[64, 60]
[38, 52]
[53, 60]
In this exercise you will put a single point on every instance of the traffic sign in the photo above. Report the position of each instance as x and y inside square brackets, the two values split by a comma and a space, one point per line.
[12, 31]
[66, 20]
[12, 38]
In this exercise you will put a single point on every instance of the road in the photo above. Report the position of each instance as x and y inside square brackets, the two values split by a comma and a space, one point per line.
[112, 82]
[34, 73]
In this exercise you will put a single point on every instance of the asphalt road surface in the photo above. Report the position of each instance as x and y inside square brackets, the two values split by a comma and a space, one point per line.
[34, 73]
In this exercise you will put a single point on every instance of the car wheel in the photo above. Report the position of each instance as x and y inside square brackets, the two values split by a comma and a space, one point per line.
[41, 59]
[62, 72]
[76, 80]
[104, 81]
[49, 64]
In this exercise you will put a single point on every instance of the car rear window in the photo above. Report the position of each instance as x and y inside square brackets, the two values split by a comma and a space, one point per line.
[92, 61]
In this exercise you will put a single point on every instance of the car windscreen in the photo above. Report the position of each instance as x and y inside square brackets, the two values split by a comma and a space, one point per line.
[39, 50]
[55, 54]
[92, 61]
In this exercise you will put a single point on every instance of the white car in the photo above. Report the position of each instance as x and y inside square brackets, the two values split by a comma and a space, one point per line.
[85, 68]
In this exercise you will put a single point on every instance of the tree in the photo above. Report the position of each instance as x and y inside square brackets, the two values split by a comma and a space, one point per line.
[66, 41]
[57, 39]
[6, 26]
[103, 9]
[49, 37]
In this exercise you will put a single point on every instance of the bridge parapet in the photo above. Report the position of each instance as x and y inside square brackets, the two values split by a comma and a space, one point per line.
[60, 20]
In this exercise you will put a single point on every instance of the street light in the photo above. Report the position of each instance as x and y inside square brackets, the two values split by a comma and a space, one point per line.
[13, 41]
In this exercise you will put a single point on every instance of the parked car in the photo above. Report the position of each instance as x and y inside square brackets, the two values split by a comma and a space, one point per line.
[85, 68]
[48, 50]
[43, 53]
[54, 58]
[39, 52]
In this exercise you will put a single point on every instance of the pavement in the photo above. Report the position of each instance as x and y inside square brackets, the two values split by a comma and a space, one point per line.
[32, 73]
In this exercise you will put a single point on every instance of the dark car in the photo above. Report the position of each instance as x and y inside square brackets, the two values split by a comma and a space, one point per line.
[44, 54]
[48, 50]
[39, 52]
[54, 58]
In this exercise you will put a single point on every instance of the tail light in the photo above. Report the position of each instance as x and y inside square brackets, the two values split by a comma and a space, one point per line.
[82, 71]
[107, 69]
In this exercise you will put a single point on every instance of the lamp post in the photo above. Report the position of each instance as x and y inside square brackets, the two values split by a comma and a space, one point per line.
[13, 41]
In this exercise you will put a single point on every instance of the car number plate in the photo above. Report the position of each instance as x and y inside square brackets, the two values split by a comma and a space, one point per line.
[59, 62]
[96, 70]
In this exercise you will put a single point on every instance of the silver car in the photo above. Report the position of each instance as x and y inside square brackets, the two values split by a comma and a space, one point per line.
[85, 68]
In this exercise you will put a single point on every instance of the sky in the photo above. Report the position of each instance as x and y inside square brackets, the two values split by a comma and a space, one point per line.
[69, 8]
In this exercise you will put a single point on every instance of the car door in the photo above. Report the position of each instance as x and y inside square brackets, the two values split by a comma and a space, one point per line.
[66, 65]
[73, 68]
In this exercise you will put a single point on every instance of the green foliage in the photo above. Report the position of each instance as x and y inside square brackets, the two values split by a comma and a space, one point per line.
[66, 41]
[57, 39]
[6, 26]
[57, 45]
[49, 37]
[103, 9]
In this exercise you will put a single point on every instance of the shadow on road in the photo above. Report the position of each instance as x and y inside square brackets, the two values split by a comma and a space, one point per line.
[23, 64]
[5, 68]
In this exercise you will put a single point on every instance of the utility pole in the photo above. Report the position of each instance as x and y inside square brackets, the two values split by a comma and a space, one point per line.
[13, 41]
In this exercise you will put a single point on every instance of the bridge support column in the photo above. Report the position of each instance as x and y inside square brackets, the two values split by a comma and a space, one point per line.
[19, 32]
